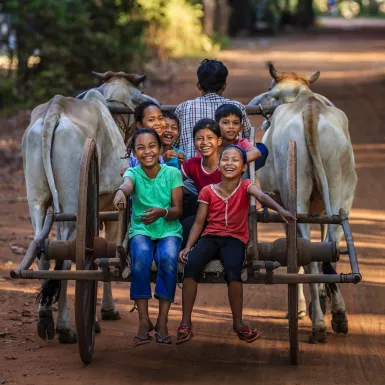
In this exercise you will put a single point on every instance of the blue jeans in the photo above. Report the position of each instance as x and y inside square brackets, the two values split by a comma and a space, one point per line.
[165, 253]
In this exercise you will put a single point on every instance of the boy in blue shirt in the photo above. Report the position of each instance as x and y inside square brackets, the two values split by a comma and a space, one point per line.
[171, 155]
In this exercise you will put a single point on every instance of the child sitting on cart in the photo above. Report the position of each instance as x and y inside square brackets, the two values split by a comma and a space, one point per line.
[154, 233]
[230, 120]
[148, 115]
[172, 156]
[225, 207]
[202, 170]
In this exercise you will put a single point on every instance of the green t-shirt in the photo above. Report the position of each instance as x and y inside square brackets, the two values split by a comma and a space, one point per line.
[150, 193]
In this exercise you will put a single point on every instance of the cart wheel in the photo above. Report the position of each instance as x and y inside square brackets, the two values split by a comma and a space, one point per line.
[292, 251]
[87, 229]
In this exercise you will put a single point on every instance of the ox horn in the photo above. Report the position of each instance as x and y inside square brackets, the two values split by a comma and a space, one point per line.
[99, 75]
[264, 99]
[273, 72]
[135, 79]
[311, 79]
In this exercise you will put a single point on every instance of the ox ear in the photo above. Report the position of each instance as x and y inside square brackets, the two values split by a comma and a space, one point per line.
[273, 72]
[311, 79]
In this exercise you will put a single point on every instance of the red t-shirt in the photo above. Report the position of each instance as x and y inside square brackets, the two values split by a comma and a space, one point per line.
[241, 142]
[227, 216]
[193, 169]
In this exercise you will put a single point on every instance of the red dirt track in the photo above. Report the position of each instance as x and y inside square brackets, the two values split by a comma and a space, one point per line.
[352, 65]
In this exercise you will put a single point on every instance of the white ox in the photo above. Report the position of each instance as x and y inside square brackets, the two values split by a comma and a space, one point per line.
[52, 148]
[326, 173]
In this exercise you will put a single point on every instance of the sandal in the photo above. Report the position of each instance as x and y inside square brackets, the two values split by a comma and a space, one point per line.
[247, 334]
[141, 340]
[184, 334]
[164, 340]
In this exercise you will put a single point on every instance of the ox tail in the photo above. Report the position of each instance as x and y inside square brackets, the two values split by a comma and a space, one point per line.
[51, 121]
[311, 115]
[49, 292]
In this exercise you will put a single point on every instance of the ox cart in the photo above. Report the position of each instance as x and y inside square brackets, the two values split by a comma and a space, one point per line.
[97, 259]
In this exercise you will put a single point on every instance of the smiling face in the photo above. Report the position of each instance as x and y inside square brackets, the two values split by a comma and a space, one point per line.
[153, 119]
[171, 132]
[206, 142]
[231, 164]
[147, 150]
[230, 127]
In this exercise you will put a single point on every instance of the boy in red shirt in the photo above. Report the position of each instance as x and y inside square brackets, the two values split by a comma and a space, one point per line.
[224, 206]
[230, 120]
[202, 170]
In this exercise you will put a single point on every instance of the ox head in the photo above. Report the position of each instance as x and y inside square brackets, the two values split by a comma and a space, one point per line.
[284, 87]
[123, 90]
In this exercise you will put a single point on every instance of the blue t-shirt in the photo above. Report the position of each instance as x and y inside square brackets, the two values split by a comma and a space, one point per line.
[173, 162]
[134, 162]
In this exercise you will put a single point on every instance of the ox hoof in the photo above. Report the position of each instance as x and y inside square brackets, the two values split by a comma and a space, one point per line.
[301, 314]
[46, 325]
[97, 327]
[110, 315]
[317, 335]
[340, 322]
[66, 336]
[322, 301]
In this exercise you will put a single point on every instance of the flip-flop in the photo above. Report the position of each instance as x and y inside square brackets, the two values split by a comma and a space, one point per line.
[141, 340]
[247, 334]
[185, 332]
[163, 340]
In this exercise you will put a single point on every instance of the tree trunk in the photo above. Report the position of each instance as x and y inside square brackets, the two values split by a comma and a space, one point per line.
[209, 16]
[305, 13]
[223, 12]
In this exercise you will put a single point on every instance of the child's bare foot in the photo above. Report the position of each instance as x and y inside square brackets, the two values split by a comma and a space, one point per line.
[143, 336]
[161, 335]
[184, 333]
[245, 333]
[145, 326]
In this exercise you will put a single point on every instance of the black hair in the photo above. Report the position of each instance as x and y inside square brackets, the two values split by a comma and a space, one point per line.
[142, 131]
[171, 115]
[139, 109]
[242, 151]
[210, 124]
[212, 75]
[226, 110]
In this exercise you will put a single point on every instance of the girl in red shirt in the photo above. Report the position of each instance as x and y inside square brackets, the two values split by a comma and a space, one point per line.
[225, 206]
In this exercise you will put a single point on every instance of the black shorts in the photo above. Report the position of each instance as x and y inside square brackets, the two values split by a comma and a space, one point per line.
[231, 252]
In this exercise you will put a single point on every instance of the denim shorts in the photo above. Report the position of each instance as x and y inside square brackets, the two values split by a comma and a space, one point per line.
[164, 252]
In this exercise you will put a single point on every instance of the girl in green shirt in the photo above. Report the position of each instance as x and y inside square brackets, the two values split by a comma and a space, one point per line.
[155, 232]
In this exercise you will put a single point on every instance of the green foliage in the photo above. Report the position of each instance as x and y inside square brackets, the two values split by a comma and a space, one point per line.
[174, 28]
[68, 39]
[71, 38]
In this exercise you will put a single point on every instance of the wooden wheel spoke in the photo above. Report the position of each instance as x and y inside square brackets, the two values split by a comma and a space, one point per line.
[87, 230]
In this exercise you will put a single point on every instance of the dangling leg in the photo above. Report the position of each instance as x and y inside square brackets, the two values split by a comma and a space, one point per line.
[166, 258]
[202, 253]
[142, 251]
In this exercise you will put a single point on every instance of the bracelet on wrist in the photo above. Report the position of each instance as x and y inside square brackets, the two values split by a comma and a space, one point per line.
[165, 215]
[119, 189]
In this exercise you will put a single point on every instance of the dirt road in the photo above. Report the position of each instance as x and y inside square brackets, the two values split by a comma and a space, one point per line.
[352, 65]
